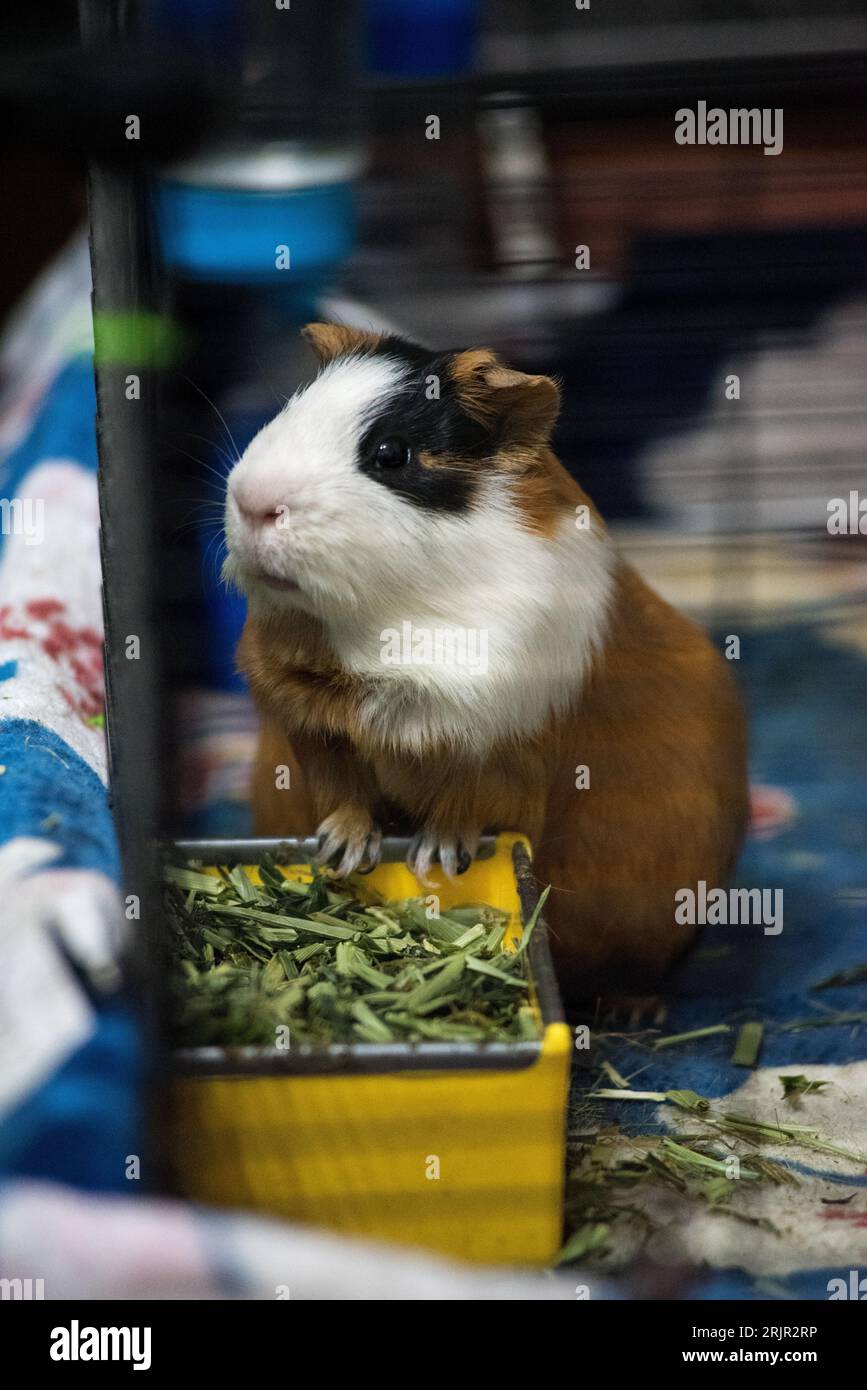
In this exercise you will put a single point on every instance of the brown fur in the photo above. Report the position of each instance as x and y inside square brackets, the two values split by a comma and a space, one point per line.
[523, 408]
[658, 723]
[661, 728]
[330, 340]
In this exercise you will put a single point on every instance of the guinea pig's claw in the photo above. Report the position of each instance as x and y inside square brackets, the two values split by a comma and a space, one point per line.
[372, 853]
[427, 849]
[632, 1011]
[345, 852]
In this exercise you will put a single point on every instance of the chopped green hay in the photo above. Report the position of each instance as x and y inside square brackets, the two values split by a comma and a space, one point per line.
[796, 1086]
[605, 1094]
[613, 1168]
[853, 976]
[748, 1045]
[332, 962]
[601, 1190]
[614, 1075]
[739, 1126]
[619, 1181]
[589, 1239]
[829, 1020]
[675, 1039]
[686, 1100]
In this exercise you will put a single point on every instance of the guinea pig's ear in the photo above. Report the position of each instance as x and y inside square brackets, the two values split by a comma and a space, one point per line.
[330, 340]
[527, 406]
[521, 408]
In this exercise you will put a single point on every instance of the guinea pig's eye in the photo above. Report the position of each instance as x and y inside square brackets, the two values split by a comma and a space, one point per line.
[392, 452]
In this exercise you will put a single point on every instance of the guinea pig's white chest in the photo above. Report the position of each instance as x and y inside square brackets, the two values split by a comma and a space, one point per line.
[509, 651]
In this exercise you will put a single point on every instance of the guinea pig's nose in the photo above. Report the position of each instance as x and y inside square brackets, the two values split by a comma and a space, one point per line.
[260, 517]
[258, 505]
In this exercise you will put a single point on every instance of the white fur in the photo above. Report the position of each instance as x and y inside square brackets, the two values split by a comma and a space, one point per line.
[368, 561]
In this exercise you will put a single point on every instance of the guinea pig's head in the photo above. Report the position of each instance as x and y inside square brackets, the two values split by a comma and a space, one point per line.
[396, 472]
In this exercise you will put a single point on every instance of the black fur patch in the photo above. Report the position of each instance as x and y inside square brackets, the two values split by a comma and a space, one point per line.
[440, 428]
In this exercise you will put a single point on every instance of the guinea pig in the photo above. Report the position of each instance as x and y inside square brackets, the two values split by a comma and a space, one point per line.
[440, 632]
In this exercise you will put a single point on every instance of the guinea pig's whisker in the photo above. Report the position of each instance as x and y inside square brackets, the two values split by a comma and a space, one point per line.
[219, 415]
[203, 523]
[212, 551]
[202, 502]
[218, 448]
[222, 478]
[196, 512]
[266, 379]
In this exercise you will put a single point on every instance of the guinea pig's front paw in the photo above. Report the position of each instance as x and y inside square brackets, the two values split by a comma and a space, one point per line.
[347, 839]
[453, 852]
